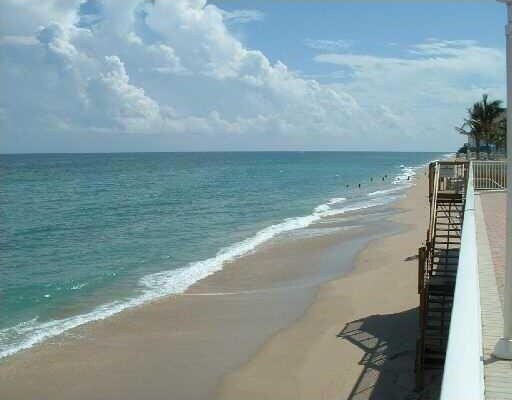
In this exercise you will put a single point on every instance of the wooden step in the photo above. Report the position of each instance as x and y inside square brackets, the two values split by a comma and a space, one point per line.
[439, 247]
[445, 274]
[435, 355]
[445, 264]
[456, 233]
[445, 316]
[446, 255]
[440, 326]
[447, 236]
[439, 296]
[449, 262]
[435, 327]
[434, 282]
[451, 215]
[435, 341]
[441, 289]
[444, 268]
[437, 311]
[437, 334]
[440, 319]
[439, 306]
[451, 274]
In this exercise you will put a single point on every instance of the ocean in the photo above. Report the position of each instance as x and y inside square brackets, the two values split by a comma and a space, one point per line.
[85, 236]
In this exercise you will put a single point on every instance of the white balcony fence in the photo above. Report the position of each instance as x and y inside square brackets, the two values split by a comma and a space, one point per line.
[489, 175]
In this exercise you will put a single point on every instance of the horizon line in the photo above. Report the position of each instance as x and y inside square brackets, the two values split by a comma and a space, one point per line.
[225, 151]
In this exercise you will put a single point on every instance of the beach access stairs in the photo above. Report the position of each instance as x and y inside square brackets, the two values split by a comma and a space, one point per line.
[437, 266]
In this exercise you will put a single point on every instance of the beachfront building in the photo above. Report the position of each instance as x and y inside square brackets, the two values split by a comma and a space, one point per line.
[465, 274]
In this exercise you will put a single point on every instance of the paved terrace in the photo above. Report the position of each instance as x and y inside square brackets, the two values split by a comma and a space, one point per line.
[490, 211]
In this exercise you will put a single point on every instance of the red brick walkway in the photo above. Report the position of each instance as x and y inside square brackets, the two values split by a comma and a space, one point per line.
[494, 208]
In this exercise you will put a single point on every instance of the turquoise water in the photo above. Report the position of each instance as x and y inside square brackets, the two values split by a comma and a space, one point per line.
[85, 236]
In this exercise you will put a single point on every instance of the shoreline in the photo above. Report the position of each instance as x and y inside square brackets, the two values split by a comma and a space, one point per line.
[111, 346]
[178, 281]
[364, 349]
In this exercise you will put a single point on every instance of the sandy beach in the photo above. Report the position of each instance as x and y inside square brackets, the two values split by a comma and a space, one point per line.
[328, 314]
[357, 341]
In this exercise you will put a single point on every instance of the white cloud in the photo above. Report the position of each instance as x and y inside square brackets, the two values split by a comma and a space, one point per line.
[242, 16]
[435, 47]
[18, 40]
[328, 45]
[23, 17]
[424, 92]
[127, 105]
[172, 69]
[443, 71]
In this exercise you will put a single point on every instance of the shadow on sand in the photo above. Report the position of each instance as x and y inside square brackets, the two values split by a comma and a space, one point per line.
[388, 342]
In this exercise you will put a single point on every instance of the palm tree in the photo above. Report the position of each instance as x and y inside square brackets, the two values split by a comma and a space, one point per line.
[490, 114]
[472, 128]
[499, 135]
[483, 121]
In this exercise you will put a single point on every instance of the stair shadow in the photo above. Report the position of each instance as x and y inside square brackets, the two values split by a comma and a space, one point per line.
[388, 342]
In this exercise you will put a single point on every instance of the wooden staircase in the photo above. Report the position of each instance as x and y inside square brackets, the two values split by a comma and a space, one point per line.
[438, 261]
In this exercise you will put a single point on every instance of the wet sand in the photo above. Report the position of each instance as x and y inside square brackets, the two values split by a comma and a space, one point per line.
[357, 340]
[279, 323]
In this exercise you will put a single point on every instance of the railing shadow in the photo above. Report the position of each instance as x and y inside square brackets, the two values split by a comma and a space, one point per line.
[388, 342]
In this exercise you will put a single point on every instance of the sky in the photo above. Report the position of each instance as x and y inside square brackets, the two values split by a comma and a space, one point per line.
[229, 75]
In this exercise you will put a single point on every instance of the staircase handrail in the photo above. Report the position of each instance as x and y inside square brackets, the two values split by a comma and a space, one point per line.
[433, 216]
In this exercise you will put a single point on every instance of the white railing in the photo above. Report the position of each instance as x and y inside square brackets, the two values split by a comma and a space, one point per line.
[489, 175]
[463, 376]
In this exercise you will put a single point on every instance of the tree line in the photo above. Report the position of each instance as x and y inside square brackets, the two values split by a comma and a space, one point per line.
[486, 124]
